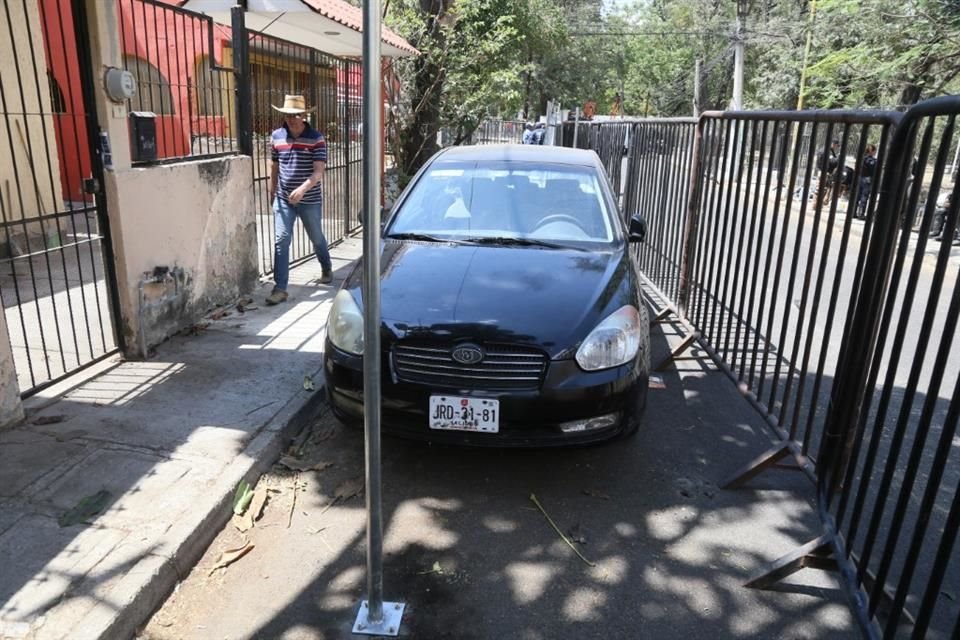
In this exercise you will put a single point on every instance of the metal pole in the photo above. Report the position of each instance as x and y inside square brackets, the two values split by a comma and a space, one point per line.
[696, 87]
[738, 46]
[576, 126]
[956, 160]
[806, 56]
[375, 617]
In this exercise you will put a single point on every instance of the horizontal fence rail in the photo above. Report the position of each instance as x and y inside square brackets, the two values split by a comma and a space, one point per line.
[185, 87]
[811, 255]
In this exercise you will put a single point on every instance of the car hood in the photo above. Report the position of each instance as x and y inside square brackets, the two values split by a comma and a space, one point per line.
[549, 298]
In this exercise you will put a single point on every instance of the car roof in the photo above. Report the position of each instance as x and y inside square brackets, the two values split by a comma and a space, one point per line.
[521, 153]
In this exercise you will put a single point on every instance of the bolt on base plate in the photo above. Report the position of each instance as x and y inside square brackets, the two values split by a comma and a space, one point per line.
[388, 626]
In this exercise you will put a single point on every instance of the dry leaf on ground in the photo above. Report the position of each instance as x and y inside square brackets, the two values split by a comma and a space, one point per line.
[230, 556]
[326, 434]
[246, 304]
[245, 522]
[349, 488]
[256, 505]
[241, 523]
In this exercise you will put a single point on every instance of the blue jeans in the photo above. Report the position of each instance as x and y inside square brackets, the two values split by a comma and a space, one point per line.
[284, 216]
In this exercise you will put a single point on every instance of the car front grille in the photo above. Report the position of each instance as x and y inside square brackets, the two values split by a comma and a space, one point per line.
[503, 367]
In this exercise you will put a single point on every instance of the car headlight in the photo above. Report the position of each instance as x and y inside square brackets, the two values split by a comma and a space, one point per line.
[612, 342]
[345, 324]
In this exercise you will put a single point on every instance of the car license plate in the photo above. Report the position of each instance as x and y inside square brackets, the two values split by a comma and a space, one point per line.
[464, 414]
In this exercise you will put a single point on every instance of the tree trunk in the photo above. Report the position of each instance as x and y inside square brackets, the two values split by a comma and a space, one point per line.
[421, 138]
[420, 141]
[910, 94]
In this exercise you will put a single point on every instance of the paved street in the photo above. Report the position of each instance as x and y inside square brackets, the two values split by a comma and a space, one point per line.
[474, 558]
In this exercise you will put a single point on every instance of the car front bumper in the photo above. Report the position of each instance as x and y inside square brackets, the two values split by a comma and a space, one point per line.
[528, 418]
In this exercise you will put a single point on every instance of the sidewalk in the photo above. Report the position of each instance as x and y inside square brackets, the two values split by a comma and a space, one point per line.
[155, 449]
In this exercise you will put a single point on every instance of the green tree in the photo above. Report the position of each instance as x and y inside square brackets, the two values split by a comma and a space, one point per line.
[475, 62]
[661, 41]
[883, 53]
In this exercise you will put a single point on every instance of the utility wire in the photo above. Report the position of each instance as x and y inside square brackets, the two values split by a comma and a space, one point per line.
[718, 34]
[680, 83]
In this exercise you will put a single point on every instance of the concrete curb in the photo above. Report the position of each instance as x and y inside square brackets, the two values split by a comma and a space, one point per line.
[185, 543]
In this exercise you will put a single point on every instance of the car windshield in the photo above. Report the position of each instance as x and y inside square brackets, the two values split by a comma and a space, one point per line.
[487, 201]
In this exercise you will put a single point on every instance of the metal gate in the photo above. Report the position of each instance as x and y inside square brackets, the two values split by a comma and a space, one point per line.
[332, 86]
[57, 284]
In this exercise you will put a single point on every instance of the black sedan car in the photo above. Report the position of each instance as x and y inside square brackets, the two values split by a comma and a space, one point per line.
[511, 312]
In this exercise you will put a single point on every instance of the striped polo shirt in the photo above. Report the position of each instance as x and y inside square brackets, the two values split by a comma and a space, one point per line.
[296, 157]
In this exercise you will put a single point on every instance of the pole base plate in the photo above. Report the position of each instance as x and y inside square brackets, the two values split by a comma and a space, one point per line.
[389, 625]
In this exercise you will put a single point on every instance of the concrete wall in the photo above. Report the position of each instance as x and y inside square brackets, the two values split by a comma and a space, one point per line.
[185, 242]
[184, 234]
[29, 165]
[11, 411]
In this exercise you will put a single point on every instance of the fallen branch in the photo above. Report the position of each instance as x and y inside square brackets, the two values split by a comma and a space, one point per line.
[557, 529]
[293, 503]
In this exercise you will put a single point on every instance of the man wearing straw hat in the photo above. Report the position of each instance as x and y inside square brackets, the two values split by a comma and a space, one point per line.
[299, 156]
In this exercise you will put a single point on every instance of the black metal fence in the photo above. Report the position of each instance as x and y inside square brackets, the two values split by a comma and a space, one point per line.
[889, 489]
[57, 287]
[489, 131]
[780, 240]
[332, 87]
[499, 132]
[182, 62]
[779, 243]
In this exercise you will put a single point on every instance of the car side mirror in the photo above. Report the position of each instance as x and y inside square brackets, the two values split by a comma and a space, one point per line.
[638, 228]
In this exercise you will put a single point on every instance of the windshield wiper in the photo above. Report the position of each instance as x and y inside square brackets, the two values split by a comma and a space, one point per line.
[417, 236]
[520, 242]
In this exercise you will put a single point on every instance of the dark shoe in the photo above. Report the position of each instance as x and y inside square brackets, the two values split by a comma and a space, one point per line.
[277, 296]
[326, 277]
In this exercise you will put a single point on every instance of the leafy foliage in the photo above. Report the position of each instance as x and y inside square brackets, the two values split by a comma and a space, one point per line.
[507, 58]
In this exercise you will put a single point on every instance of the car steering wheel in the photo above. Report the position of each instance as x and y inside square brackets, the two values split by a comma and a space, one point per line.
[560, 217]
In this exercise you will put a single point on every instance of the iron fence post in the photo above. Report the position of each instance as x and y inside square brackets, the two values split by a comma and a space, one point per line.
[690, 228]
[241, 66]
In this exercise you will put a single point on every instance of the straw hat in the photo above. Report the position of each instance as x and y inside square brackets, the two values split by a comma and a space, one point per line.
[293, 104]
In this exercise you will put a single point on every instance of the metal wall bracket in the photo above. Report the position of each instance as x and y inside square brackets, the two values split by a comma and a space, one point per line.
[388, 625]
